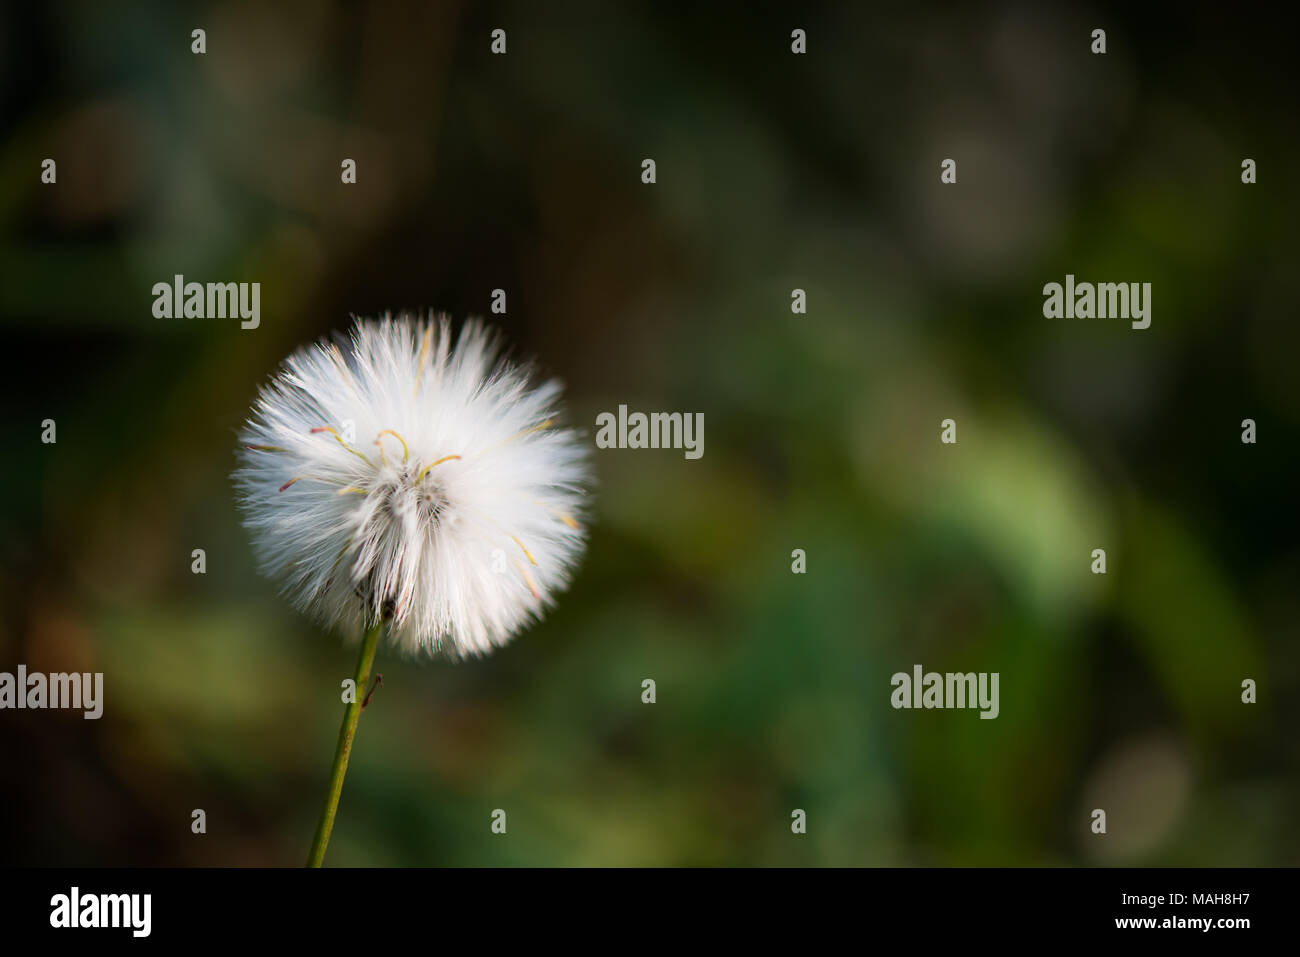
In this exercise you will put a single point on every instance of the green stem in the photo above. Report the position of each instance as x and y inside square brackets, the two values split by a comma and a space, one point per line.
[343, 750]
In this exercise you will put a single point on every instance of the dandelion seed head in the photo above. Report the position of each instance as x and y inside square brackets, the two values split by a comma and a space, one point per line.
[415, 476]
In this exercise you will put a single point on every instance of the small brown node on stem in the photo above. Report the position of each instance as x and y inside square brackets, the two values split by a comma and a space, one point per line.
[374, 686]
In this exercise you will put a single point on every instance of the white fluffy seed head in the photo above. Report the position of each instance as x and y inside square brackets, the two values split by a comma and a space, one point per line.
[409, 477]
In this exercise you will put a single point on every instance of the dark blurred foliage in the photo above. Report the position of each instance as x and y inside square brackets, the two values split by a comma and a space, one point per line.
[775, 171]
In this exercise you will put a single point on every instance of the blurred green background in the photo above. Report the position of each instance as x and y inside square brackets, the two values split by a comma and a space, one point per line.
[775, 171]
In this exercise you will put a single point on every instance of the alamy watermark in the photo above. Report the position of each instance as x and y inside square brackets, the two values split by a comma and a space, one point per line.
[215, 300]
[75, 909]
[931, 689]
[655, 430]
[36, 690]
[1104, 300]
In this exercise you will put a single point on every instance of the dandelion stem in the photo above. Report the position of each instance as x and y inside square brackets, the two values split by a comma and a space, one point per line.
[343, 750]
